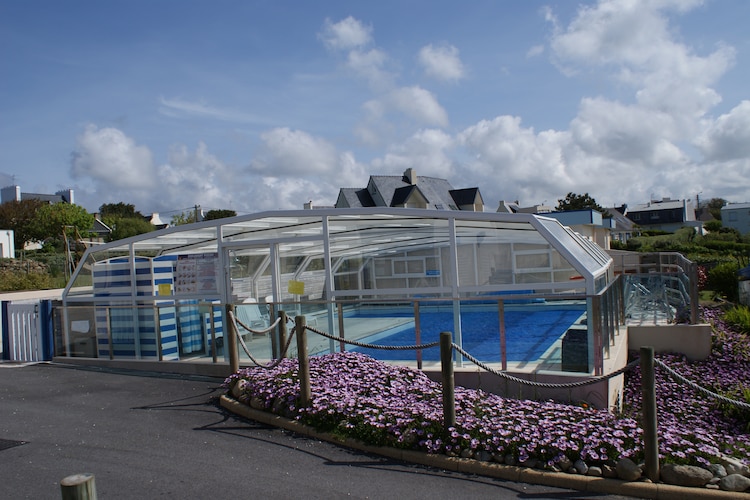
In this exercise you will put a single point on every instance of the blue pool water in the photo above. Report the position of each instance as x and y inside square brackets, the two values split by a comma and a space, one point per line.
[527, 334]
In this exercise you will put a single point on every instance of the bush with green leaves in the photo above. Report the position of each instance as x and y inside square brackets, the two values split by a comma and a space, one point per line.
[739, 317]
[11, 281]
[723, 280]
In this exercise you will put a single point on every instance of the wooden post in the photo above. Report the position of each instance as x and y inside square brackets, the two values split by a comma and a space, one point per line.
[78, 487]
[304, 362]
[417, 334]
[503, 344]
[282, 333]
[340, 309]
[650, 436]
[449, 395]
[213, 335]
[231, 338]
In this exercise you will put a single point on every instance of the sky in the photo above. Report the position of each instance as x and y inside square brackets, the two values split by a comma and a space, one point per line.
[255, 105]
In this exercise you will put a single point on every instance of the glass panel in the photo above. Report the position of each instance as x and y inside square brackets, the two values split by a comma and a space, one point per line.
[532, 261]
[272, 228]
[590, 255]
[250, 271]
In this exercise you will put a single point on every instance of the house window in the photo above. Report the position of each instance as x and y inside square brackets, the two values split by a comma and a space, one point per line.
[732, 216]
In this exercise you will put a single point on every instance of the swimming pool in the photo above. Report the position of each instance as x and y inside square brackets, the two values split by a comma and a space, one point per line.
[528, 335]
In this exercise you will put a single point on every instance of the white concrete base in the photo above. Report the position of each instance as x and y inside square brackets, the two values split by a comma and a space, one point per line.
[694, 341]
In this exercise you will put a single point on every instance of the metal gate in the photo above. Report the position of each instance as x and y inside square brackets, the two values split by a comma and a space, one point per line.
[25, 331]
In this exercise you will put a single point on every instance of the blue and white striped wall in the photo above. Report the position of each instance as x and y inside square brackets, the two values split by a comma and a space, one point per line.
[183, 327]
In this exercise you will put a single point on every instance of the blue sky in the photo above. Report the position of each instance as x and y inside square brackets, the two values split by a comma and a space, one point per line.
[262, 105]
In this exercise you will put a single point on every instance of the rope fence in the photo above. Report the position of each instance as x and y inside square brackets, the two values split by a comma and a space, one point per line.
[499, 373]
[646, 361]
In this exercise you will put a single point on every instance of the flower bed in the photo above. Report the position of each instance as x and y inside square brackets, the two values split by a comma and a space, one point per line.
[379, 404]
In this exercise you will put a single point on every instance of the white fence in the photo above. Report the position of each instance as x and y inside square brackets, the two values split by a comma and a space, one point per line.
[25, 341]
[26, 330]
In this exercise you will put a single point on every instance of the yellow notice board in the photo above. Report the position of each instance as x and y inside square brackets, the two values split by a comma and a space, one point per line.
[165, 289]
[296, 287]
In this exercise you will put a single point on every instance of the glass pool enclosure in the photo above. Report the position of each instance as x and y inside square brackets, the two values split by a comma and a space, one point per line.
[162, 295]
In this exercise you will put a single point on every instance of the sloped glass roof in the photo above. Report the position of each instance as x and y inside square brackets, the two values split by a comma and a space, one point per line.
[464, 252]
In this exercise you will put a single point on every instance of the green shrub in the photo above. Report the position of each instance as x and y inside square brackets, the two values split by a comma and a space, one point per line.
[20, 281]
[723, 280]
[739, 317]
[56, 262]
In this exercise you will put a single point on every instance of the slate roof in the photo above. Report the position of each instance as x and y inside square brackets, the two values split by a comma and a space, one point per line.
[396, 190]
[465, 196]
[657, 205]
[357, 197]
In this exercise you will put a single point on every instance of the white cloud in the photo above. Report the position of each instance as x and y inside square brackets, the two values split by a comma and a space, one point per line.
[179, 108]
[196, 178]
[634, 141]
[110, 167]
[369, 65]
[419, 104]
[318, 170]
[293, 152]
[352, 37]
[728, 137]
[441, 62]
[428, 151]
[535, 51]
[106, 156]
[624, 133]
[634, 39]
[505, 156]
[346, 34]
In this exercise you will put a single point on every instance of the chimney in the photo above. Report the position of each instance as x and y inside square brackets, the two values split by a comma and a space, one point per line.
[410, 176]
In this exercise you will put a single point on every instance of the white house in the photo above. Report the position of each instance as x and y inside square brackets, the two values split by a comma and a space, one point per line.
[736, 216]
[7, 244]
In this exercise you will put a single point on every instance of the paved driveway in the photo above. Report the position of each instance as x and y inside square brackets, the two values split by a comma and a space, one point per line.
[155, 436]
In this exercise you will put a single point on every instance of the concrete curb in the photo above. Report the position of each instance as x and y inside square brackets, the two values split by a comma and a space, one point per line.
[638, 489]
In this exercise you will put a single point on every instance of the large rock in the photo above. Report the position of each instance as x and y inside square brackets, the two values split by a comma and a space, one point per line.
[609, 471]
[734, 482]
[581, 467]
[595, 471]
[564, 463]
[734, 466]
[627, 470]
[685, 475]
[718, 470]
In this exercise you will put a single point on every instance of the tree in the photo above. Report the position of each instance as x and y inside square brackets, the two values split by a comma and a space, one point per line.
[52, 221]
[219, 214]
[183, 218]
[714, 207]
[19, 217]
[125, 227]
[579, 202]
[120, 209]
[713, 226]
[124, 220]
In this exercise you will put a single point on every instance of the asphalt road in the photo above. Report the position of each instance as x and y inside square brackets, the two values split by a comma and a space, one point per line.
[155, 436]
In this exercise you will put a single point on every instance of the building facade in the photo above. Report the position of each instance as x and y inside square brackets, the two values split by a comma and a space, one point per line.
[665, 215]
[736, 216]
[13, 193]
